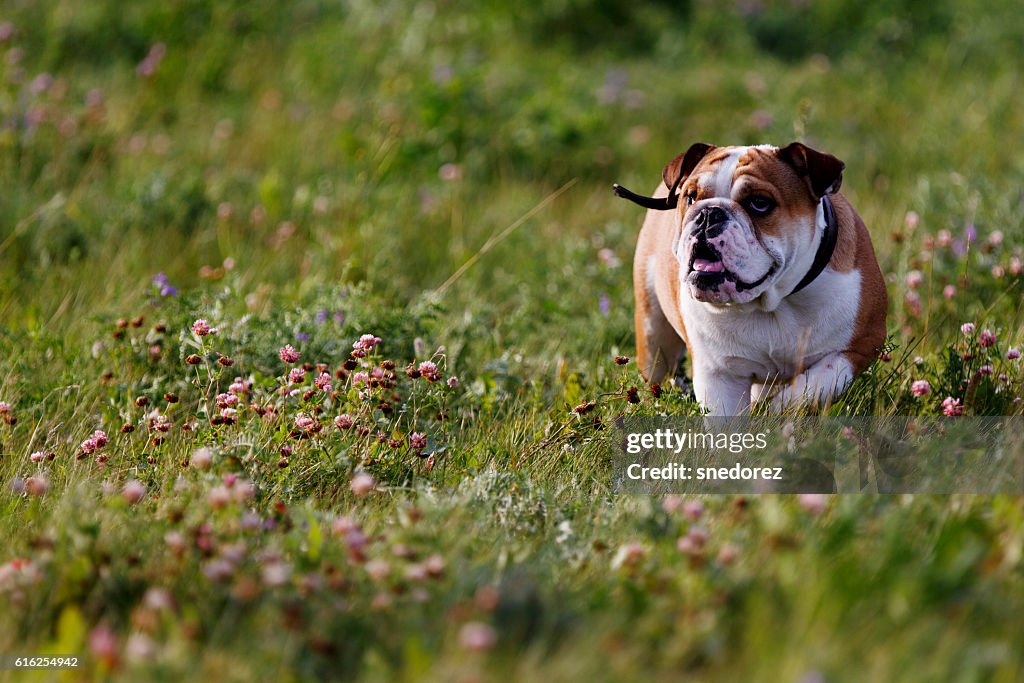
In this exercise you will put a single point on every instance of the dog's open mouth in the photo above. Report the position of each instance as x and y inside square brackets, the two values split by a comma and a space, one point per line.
[708, 271]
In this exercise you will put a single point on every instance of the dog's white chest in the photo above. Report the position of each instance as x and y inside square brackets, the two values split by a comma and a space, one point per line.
[744, 341]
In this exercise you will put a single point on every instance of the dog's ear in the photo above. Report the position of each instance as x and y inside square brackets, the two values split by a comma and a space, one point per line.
[822, 172]
[680, 167]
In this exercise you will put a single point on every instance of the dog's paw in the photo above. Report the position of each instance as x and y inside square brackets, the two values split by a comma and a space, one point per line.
[794, 395]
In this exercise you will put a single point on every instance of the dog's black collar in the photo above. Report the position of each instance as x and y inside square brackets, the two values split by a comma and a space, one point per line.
[826, 247]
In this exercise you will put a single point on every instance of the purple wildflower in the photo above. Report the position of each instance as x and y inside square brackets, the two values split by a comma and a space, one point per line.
[951, 407]
[288, 354]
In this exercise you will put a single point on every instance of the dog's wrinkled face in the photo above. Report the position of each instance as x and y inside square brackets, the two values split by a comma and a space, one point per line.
[749, 218]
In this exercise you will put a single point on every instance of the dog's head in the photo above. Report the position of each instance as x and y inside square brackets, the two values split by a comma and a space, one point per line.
[751, 218]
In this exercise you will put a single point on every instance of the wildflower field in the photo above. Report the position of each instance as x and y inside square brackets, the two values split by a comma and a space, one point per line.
[314, 317]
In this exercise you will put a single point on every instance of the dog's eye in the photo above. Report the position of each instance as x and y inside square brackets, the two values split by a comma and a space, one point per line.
[691, 197]
[760, 205]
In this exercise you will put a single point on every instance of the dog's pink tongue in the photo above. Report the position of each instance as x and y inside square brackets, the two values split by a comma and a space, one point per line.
[706, 266]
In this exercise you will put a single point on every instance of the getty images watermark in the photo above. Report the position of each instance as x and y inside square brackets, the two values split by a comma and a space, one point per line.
[818, 455]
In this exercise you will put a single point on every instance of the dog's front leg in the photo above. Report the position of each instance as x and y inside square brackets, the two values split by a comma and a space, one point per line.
[818, 385]
[720, 393]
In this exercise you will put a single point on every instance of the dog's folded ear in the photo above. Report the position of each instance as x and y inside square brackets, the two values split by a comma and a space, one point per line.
[680, 167]
[823, 172]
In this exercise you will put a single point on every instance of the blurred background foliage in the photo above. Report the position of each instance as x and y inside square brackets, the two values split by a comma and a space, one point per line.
[384, 142]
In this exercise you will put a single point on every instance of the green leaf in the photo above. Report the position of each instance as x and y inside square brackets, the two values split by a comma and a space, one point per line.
[71, 631]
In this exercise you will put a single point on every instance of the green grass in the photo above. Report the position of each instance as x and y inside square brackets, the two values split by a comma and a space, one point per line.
[308, 172]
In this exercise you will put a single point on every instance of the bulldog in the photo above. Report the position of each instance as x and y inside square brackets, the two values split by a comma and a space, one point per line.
[752, 259]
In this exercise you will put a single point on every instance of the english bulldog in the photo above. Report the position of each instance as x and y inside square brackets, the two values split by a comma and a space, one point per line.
[752, 259]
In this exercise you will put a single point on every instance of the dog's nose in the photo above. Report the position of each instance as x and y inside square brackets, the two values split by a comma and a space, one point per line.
[710, 216]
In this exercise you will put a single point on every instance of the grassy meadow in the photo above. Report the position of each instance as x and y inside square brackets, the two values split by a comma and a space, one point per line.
[309, 316]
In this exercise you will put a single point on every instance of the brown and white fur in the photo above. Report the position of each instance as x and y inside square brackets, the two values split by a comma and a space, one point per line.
[749, 343]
